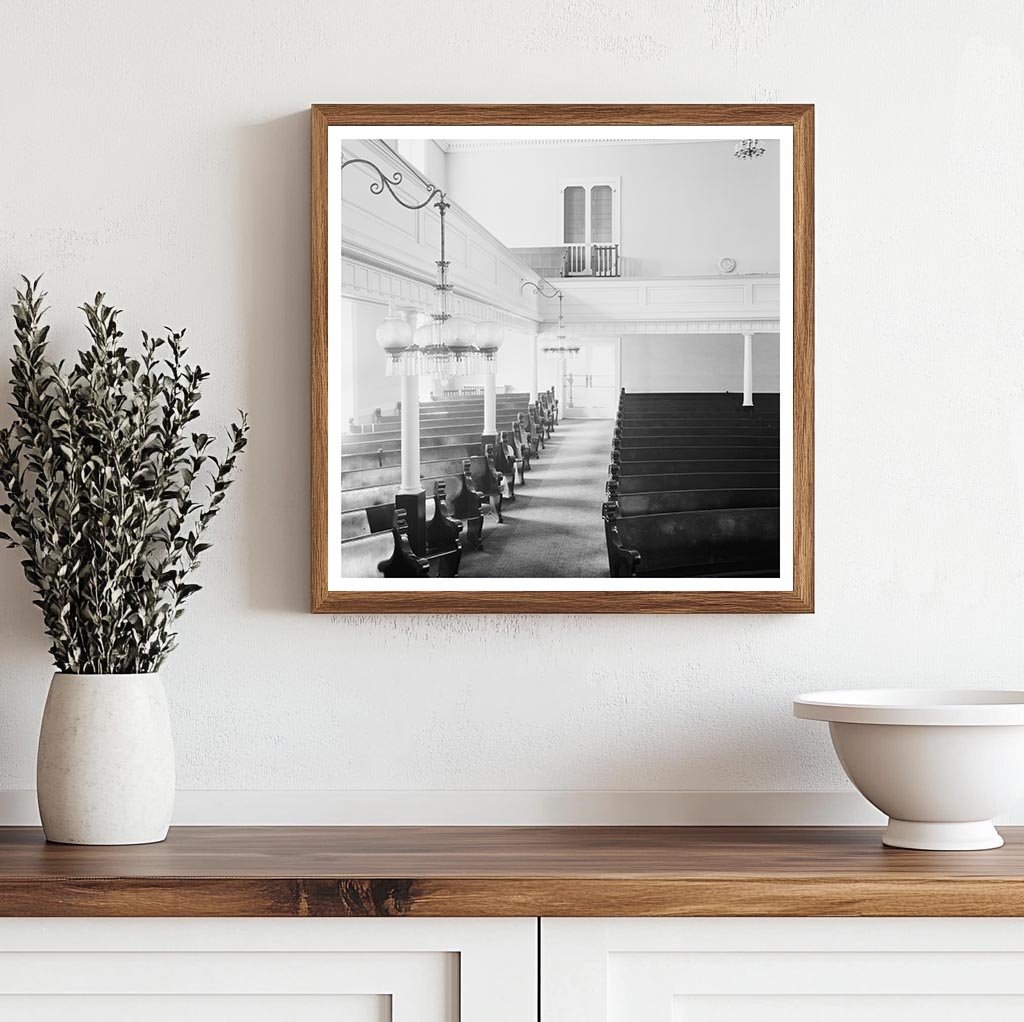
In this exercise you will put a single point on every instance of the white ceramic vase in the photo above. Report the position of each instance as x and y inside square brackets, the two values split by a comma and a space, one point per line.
[105, 769]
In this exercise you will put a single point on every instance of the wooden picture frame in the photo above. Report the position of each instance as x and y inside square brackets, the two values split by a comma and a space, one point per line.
[799, 598]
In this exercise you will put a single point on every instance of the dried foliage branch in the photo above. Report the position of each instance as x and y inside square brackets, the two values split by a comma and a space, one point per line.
[108, 492]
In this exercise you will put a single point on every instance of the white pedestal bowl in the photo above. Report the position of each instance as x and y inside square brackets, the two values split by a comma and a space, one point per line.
[939, 763]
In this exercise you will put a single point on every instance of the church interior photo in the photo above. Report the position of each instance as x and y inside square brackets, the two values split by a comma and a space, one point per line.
[556, 358]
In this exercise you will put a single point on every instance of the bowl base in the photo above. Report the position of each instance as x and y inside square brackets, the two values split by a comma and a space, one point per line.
[942, 837]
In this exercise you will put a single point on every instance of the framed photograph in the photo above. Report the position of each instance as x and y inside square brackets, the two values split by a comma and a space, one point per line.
[562, 359]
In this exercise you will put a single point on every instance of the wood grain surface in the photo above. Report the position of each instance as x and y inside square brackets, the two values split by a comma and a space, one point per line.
[507, 871]
[798, 600]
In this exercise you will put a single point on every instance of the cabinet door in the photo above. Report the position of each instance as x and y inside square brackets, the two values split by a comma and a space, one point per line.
[781, 970]
[251, 970]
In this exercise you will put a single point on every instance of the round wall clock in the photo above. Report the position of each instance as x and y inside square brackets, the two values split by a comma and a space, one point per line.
[727, 264]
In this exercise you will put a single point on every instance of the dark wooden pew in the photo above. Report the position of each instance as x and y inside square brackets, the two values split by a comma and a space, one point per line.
[551, 403]
[368, 444]
[693, 487]
[537, 425]
[444, 548]
[646, 468]
[669, 437]
[628, 505]
[694, 544]
[365, 488]
[358, 528]
[393, 458]
[467, 506]
[507, 463]
[521, 440]
[530, 436]
[683, 425]
[382, 554]
[751, 439]
[695, 481]
[548, 407]
[697, 452]
[491, 487]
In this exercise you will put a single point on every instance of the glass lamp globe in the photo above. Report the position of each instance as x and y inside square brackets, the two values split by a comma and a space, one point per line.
[489, 336]
[394, 335]
[460, 334]
[424, 336]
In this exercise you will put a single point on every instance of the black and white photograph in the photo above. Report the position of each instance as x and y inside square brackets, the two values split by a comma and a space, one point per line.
[560, 358]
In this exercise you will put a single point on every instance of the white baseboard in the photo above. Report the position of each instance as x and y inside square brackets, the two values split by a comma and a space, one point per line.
[496, 808]
[503, 808]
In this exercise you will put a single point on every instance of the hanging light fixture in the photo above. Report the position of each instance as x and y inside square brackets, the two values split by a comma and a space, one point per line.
[449, 345]
[559, 347]
[748, 149]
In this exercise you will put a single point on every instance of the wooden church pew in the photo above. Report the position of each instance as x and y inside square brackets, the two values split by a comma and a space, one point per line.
[694, 487]
[444, 548]
[628, 505]
[691, 544]
[696, 481]
[737, 429]
[384, 554]
[646, 468]
[699, 440]
[653, 450]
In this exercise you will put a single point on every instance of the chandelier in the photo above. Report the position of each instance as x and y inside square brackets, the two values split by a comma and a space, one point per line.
[446, 345]
[560, 348]
[748, 149]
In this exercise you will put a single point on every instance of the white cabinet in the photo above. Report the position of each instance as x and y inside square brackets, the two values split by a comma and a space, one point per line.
[486, 970]
[251, 970]
[781, 970]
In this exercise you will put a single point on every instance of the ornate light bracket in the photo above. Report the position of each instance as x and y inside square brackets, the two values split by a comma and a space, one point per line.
[391, 184]
[447, 345]
[561, 350]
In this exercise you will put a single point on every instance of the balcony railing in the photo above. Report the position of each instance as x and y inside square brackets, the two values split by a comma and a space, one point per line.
[583, 260]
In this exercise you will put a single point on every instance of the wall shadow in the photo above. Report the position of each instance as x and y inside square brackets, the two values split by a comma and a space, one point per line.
[273, 202]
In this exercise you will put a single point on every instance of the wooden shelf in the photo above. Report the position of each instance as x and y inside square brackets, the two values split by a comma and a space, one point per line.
[507, 871]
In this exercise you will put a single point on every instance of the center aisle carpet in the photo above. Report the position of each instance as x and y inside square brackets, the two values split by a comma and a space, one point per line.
[554, 529]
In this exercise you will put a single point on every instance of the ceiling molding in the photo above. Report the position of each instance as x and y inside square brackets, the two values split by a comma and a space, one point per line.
[465, 145]
[626, 327]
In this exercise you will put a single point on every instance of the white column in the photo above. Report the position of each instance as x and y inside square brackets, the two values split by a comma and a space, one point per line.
[490, 400]
[748, 370]
[560, 386]
[533, 369]
[411, 435]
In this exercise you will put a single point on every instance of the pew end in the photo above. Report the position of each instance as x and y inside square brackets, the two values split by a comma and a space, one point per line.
[403, 563]
[623, 562]
[444, 547]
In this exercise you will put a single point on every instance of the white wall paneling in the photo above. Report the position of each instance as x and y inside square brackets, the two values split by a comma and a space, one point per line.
[781, 970]
[249, 970]
[365, 282]
[703, 304]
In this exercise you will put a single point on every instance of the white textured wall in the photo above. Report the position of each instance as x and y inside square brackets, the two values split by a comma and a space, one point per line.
[160, 151]
[682, 207]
